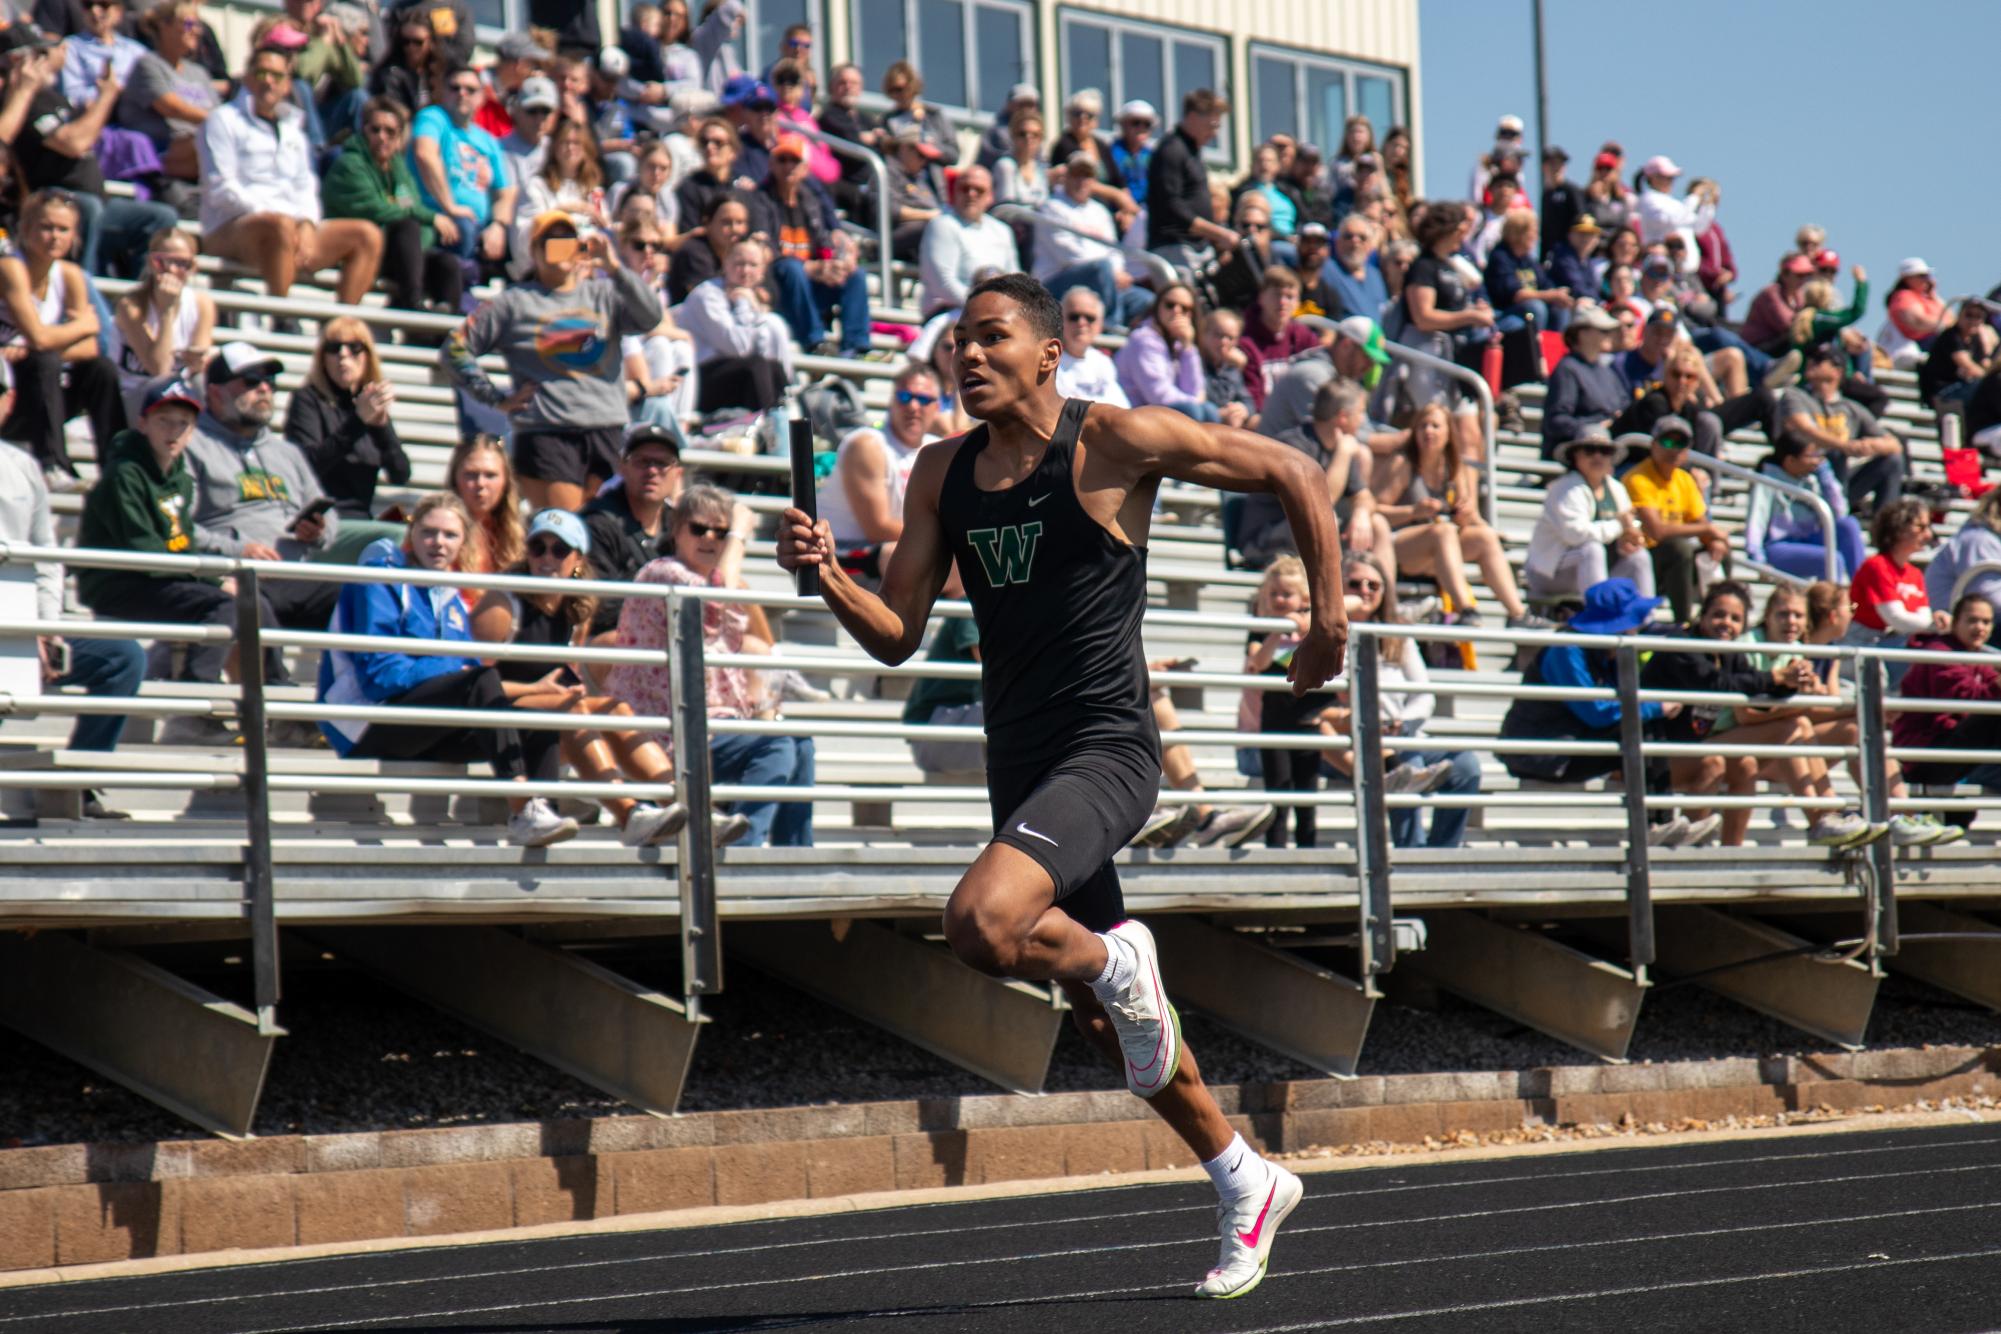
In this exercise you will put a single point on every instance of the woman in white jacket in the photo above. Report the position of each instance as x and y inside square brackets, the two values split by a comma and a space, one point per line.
[1587, 531]
[743, 351]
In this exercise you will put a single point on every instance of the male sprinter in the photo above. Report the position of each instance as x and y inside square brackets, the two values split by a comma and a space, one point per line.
[1045, 508]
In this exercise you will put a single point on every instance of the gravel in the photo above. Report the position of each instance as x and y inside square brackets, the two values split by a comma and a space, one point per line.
[361, 1056]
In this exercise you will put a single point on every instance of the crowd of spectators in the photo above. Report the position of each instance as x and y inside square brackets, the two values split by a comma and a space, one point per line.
[650, 236]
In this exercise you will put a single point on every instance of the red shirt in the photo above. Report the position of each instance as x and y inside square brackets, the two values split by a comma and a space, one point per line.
[1879, 580]
[492, 115]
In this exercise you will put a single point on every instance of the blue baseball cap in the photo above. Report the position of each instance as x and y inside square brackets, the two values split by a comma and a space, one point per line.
[169, 389]
[743, 90]
[1613, 607]
[566, 527]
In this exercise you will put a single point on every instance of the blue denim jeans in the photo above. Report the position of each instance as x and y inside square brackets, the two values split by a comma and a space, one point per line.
[102, 667]
[1715, 339]
[807, 306]
[1808, 560]
[1448, 823]
[768, 761]
[1516, 317]
[117, 230]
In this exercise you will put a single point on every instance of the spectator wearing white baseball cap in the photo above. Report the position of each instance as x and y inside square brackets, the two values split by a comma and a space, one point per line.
[1507, 143]
[1917, 315]
[998, 141]
[1660, 213]
[1132, 151]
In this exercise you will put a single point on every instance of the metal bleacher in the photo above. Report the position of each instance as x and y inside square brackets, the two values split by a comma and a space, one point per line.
[1555, 914]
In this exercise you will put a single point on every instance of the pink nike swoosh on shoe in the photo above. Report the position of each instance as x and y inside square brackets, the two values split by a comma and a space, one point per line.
[1251, 1238]
[1158, 990]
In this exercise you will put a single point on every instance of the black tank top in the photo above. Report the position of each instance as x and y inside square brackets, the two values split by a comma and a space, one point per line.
[1058, 600]
[534, 626]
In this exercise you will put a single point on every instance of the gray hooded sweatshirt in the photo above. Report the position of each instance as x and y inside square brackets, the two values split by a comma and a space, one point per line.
[248, 488]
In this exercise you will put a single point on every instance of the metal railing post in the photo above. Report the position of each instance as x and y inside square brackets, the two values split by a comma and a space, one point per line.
[1372, 818]
[1875, 776]
[879, 178]
[1484, 394]
[1639, 871]
[1725, 468]
[701, 942]
[258, 890]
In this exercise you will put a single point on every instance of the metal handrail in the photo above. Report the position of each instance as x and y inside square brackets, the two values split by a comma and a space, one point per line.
[879, 176]
[1490, 462]
[1725, 468]
[1967, 576]
[1157, 268]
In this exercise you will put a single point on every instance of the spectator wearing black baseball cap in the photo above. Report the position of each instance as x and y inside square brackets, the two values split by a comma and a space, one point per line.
[628, 521]
[1562, 201]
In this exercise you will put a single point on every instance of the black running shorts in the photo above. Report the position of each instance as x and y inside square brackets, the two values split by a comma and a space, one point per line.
[568, 456]
[1073, 817]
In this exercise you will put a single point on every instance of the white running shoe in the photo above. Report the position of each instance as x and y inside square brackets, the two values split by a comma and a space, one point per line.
[1922, 831]
[649, 826]
[1149, 1030]
[537, 825]
[1228, 826]
[1700, 831]
[1668, 833]
[1247, 1227]
[1839, 829]
[1162, 820]
[727, 829]
[1416, 779]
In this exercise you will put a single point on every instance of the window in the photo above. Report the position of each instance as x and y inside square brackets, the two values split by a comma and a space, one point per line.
[969, 52]
[1311, 96]
[1126, 59]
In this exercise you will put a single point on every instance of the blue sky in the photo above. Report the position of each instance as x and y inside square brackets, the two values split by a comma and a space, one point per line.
[1793, 107]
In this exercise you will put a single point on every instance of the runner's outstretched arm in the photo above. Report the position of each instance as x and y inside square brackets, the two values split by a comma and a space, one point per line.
[1161, 442]
[889, 626]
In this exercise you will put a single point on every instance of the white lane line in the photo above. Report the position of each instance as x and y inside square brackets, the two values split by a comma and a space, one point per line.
[1405, 1260]
[765, 1247]
[580, 1264]
[877, 1271]
[1633, 1290]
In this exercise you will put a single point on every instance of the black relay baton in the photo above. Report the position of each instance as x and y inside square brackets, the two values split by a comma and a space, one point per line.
[805, 496]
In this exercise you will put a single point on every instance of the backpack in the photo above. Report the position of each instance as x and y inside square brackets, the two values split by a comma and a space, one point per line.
[833, 404]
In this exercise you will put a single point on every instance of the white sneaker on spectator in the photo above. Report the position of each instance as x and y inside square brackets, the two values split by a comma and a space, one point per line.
[1839, 829]
[1227, 826]
[1417, 779]
[1700, 831]
[1922, 831]
[1162, 819]
[536, 825]
[728, 829]
[1186, 821]
[198, 729]
[1784, 371]
[649, 826]
[1668, 833]
[792, 686]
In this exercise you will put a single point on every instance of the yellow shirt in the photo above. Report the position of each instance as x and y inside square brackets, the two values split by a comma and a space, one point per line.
[1673, 493]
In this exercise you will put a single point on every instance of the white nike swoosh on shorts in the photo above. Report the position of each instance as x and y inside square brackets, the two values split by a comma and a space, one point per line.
[1022, 828]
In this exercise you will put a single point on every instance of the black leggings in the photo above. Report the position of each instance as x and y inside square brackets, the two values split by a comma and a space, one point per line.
[1291, 771]
[414, 273]
[43, 403]
[512, 754]
[755, 383]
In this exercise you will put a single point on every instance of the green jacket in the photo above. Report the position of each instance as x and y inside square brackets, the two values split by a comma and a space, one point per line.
[134, 507]
[355, 187]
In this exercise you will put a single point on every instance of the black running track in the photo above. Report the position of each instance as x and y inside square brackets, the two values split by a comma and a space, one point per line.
[1881, 1230]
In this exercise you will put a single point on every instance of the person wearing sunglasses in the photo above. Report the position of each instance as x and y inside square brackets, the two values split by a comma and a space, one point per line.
[964, 241]
[710, 529]
[659, 366]
[1587, 530]
[165, 325]
[460, 169]
[1086, 370]
[795, 45]
[559, 547]
[526, 145]
[420, 257]
[169, 92]
[863, 497]
[651, 189]
[341, 418]
[261, 203]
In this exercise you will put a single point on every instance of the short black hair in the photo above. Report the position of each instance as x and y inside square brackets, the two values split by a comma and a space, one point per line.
[1044, 316]
[1826, 352]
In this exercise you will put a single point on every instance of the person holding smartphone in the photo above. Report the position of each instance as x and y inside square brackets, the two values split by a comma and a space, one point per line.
[560, 336]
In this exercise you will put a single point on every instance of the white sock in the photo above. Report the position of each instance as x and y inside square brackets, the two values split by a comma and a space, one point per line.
[1119, 968]
[1237, 1171]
